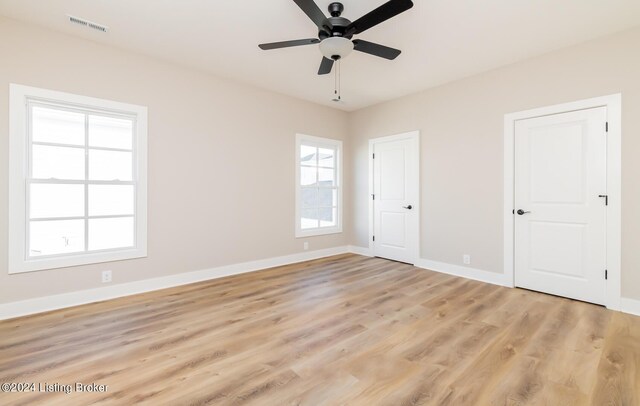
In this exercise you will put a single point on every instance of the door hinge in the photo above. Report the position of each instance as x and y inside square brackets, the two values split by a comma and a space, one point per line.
[373, 197]
[374, 238]
[374, 156]
[606, 274]
[606, 126]
[606, 199]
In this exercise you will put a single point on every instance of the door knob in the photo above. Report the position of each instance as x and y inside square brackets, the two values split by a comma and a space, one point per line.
[409, 207]
[521, 212]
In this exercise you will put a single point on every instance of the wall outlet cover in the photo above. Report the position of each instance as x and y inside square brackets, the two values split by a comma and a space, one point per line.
[106, 276]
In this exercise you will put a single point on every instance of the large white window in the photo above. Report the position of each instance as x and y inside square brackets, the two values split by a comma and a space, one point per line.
[318, 186]
[77, 180]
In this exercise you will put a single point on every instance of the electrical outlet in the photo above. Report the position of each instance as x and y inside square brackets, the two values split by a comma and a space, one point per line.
[305, 246]
[466, 259]
[106, 276]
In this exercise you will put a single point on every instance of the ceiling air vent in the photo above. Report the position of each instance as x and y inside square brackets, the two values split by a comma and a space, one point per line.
[88, 23]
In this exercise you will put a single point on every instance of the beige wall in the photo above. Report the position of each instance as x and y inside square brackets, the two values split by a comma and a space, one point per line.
[201, 130]
[461, 128]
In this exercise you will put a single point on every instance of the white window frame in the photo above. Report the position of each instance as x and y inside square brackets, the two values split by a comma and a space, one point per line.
[302, 139]
[19, 143]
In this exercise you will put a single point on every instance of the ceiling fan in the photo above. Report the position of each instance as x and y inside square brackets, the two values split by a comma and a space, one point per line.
[336, 32]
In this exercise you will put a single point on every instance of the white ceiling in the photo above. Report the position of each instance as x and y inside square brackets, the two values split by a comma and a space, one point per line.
[441, 40]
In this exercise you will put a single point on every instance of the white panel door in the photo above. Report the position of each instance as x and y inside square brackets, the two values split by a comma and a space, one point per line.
[560, 216]
[395, 194]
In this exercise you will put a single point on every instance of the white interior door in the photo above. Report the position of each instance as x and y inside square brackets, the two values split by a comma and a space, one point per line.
[560, 216]
[395, 197]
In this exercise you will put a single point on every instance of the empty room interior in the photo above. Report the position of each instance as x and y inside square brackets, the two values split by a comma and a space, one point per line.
[310, 202]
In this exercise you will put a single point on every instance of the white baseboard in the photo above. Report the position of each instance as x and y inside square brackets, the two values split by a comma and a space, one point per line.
[627, 305]
[631, 306]
[465, 272]
[354, 249]
[54, 302]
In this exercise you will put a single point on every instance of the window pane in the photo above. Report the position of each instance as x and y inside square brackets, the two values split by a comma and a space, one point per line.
[110, 165]
[109, 200]
[326, 157]
[110, 132]
[110, 233]
[58, 126]
[309, 197]
[327, 197]
[57, 162]
[308, 176]
[308, 155]
[309, 218]
[56, 200]
[327, 217]
[326, 177]
[56, 237]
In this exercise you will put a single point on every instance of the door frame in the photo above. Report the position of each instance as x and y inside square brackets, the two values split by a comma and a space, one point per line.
[613, 103]
[411, 135]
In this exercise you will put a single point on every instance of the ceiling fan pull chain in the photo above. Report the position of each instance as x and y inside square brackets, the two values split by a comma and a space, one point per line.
[335, 79]
[339, 83]
[336, 82]
[337, 91]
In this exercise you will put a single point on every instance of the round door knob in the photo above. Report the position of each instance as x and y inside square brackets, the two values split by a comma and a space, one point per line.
[409, 207]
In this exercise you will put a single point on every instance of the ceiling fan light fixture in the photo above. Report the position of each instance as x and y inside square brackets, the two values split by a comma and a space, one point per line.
[336, 47]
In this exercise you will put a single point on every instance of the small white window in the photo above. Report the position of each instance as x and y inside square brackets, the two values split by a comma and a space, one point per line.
[78, 180]
[318, 186]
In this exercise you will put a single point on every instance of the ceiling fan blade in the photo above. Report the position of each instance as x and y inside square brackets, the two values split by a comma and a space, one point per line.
[286, 44]
[325, 66]
[383, 13]
[316, 15]
[375, 49]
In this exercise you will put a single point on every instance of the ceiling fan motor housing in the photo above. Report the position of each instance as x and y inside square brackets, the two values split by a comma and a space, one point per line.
[335, 26]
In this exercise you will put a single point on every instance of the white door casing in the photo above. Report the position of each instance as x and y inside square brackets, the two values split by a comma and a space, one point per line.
[613, 103]
[394, 168]
[560, 185]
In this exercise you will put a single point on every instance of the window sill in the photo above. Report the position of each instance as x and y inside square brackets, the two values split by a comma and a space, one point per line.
[33, 265]
[318, 231]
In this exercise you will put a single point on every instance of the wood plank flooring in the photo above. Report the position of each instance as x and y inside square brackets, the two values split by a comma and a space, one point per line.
[345, 330]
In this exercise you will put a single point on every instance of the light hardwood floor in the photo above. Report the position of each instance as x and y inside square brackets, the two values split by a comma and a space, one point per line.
[346, 330]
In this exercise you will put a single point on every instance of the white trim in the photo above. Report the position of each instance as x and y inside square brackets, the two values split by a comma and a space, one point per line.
[613, 103]
[19, 172]
[494, 278]
[360, 250]
[54, 302]
[319, 142]
[65, 300]
[412, 135]
[631, 306]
